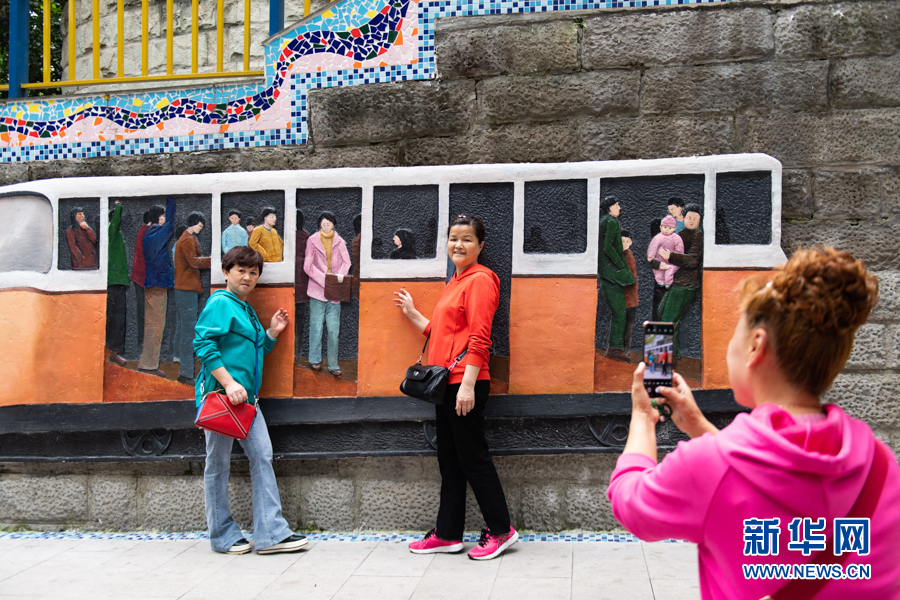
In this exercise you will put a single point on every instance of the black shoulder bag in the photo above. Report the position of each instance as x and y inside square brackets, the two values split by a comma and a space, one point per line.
[428, 382]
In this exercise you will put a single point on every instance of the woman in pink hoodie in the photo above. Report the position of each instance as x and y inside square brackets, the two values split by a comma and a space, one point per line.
[774, 486]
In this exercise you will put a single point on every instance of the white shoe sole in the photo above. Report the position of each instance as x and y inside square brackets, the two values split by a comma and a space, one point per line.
[499, 550]
[284, 547]
[239, 550]
[441, 549]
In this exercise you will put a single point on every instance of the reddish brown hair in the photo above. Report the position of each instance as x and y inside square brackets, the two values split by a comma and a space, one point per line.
[812, 307]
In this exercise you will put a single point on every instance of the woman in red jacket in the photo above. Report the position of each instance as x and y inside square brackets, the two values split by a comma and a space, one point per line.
[462, 326]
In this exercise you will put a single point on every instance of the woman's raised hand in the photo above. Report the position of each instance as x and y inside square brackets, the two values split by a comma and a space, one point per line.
[685, 413]
[235, 392]
[405, 302]
[280, 320]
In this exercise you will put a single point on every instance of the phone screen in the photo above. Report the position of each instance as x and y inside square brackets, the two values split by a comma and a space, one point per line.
[659, 360]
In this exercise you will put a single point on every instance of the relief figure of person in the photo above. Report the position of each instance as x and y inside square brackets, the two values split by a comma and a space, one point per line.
[614, 275]
[234, 234]
[632, 299]
[676, 209]
[139, 274]
[301, 282]
[664, 274]
[82, 242]
[188, 287]
[158, 281]
[266, 240]
[687, 280]
[117, 282]
[326, 252]
[405, 243]
[356, 246]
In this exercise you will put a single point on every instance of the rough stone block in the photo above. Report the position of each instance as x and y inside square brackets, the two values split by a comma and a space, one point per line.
[113, 503]
[796, 200]
[13, 173]
[539, 469]
[893, 341]
[171, 503]
[888, 307]
[890, 204]
[480, 47]
[327, 503]
[240, 499]
[866, 82]
[655, 137]
[207, 162]
[390, 111]
[541, 508]
[143, 164]
[842, 137]
[43, 499]
[837, 29]
[524, 142]
[587, 507]
[404, 468]
[401, 505]
[869, 348]
[872, 398]
[52, 169]
[874, 241]
[751, 87]
[848, 194]
[677, 38]
[517, 99]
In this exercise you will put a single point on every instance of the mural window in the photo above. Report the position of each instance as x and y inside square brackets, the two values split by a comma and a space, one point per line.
[555, 217]
[404, 222]
[79, 234]
[245, 212]
[26, 234]
[744, 208]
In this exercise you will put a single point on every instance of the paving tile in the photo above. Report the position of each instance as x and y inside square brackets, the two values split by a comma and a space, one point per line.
[334, 558]
[377, 588]
[393, 559]
[676, 589]
[671, 561]
[182, 573]
[69, 571]
[245, 577]
[308, 587]
[524, 560]
[610, 571]
[545, 588]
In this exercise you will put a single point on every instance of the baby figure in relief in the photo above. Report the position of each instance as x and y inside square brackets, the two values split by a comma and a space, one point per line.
[665, 240]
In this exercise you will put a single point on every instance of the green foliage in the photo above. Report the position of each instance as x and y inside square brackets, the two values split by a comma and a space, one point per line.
[35, 45]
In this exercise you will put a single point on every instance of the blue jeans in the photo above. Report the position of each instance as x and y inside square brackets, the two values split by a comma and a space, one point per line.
[330, 315]
[269, 527]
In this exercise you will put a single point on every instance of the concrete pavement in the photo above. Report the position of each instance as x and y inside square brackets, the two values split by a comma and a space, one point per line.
[374, 569]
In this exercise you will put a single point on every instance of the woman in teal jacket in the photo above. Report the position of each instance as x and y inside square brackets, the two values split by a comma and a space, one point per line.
[230, 342]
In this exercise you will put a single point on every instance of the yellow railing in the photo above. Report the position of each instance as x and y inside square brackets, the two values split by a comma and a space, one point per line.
[73, 79]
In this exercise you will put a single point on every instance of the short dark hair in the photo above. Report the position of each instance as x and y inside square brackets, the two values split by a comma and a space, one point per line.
[195, 218]
[676, 201]
[693, 208]
[146, 217]
[326, 215]
[155, 213]
[72, 214]
[249, 221]
[607, 203]
[300, 220]
[179, 230]
[626, 233]
[234, 211]
[112, 212]
[269, 210]
[242, 256]
[473, 222]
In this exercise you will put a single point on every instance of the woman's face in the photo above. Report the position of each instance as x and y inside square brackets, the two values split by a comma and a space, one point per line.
[240, 281]
[326, 226]
[737, 358]
[463, 246]
[397, 242]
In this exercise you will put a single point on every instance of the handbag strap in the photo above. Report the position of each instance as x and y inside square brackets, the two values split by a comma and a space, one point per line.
[864, 508]
[455, 361]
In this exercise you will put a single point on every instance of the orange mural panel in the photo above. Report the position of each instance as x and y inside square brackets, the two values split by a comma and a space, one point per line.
[551, 335]
[720, 315]
[52, 347]
[388, 341]
[278, 371]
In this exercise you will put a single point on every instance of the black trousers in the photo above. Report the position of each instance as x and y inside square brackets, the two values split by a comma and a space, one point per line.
[658, 292]
[139, 313]
[463, 457]
[115, 317]
[630, 316]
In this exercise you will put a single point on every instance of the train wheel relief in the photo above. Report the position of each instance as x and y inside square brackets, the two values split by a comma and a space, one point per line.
[144, 444]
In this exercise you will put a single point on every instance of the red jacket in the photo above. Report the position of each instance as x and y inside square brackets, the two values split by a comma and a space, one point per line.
[139, 268]
[462, 319]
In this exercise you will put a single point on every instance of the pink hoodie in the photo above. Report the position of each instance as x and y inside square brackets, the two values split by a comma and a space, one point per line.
[763, 465]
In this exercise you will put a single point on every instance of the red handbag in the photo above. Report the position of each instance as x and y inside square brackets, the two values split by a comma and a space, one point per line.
[219, 415]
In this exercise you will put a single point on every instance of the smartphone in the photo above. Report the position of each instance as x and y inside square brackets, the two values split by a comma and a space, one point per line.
[659, 357]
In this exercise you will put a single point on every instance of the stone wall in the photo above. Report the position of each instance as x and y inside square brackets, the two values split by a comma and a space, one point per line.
[816, 85]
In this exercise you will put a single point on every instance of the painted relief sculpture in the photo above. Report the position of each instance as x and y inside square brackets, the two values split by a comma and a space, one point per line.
[117, 282]
[614, 275]
[687, 281]
[676, 209]
[234, 234]
[158, 280]
[82, 242]
[249, 225]
[266, 240]
[355, 247]
[301, 283]
[188, 289]
[326, 252]
[664, 274]
[405, 243]
[632, 298]
[139, 274]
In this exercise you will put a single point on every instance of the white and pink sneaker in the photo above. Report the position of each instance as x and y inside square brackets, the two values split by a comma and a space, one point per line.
[491, 546]
[432, 544]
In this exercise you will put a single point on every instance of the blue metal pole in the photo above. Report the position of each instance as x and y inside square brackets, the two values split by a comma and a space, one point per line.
[276, 16]
[18, 47]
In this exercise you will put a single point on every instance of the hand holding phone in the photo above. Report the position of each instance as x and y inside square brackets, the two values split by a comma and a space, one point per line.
[659, 358]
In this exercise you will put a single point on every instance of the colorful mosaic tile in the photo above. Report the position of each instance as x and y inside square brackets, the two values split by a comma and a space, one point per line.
[354, 42]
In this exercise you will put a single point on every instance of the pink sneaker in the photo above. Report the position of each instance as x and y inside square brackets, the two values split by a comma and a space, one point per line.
[491, 546]
[431, 544]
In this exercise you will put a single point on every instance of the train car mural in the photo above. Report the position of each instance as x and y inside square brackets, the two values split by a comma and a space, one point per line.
[101, 280]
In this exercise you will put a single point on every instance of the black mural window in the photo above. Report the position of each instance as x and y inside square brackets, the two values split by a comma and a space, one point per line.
[79, 234]
[744, 208]
[555, 217]
[404, 222]
[248, 208]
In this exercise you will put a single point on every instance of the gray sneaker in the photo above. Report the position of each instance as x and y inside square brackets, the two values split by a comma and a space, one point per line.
[289, 544]
[241, 546]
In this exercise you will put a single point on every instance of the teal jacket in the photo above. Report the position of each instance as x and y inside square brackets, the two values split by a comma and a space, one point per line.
[225, 336]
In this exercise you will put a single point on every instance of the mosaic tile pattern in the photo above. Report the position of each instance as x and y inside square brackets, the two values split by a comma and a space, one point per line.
[354, 42]
[313, 537]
